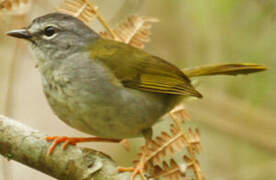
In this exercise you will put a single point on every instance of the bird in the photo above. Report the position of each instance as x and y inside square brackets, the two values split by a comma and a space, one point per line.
[106, 88]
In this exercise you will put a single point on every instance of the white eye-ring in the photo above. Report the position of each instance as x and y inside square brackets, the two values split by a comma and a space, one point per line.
[49, 32]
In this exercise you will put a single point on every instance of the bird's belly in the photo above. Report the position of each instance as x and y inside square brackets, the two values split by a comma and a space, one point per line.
[98, 121]
[123, 116]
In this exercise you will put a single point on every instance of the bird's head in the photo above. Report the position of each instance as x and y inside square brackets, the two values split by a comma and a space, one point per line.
[56, 34]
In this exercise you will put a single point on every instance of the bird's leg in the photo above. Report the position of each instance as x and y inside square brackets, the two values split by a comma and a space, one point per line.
[74, 140]
[140, 166]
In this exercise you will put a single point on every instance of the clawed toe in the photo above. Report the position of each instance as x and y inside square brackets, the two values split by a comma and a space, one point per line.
[58, 140]
[73, 141]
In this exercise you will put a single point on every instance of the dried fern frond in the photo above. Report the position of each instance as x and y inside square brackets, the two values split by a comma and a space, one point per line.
[165, 146]
[193, 148]
[79, 9]
[135, 31]
[15, 7]
[180, 113]
[194, 138]
[172, 171]
[85, 11]
[168, 144]
[194, 165]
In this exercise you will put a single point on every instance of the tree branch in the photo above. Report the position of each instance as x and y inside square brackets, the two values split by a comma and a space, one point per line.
[27, 146]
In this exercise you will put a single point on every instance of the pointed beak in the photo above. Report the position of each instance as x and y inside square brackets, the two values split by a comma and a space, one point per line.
[20, 33]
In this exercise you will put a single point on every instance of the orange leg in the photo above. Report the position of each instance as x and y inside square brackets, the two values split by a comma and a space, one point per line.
[74, 140]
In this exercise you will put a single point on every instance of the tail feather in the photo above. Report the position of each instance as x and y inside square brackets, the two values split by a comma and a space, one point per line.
[224, 69]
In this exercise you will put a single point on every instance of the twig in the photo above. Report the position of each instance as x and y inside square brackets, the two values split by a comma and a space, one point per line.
[27, 146]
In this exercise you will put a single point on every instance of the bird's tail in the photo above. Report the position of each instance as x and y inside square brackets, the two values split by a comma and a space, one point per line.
[224, 69]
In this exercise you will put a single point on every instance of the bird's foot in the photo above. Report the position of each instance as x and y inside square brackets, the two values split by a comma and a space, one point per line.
[138, 170]
[74, 140]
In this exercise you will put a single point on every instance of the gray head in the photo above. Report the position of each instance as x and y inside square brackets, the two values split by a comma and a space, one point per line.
[56, 34]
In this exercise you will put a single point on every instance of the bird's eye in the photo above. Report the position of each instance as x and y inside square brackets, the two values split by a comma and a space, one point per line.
[49, 31]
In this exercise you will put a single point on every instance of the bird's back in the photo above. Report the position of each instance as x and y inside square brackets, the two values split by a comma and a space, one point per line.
[137, 69]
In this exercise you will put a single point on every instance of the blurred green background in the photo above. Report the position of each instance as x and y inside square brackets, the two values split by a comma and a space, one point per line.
[237, 115]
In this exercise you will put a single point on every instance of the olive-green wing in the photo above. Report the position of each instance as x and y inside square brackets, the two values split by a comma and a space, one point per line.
[140, 70]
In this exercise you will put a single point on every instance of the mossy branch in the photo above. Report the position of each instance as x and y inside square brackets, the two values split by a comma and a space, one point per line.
[27, 146]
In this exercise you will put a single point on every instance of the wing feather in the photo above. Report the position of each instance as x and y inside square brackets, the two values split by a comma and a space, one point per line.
[139, 70]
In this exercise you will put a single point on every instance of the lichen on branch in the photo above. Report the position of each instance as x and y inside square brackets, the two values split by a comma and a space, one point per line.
[27, 146]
